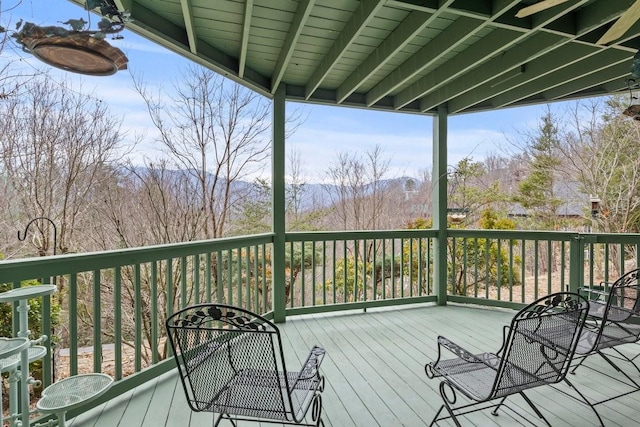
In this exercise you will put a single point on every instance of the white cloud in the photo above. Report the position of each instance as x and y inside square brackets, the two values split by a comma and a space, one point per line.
[319, 148]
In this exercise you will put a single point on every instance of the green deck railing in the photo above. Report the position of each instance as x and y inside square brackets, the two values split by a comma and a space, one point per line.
[113, 304]
[358, 269]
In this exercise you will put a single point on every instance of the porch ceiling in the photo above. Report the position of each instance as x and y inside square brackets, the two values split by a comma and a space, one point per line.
[406, 55]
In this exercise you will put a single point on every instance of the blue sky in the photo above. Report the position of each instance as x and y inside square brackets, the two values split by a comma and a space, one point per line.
[406, 139]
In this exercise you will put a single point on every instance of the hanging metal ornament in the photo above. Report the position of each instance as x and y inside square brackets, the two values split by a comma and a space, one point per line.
[78, 49]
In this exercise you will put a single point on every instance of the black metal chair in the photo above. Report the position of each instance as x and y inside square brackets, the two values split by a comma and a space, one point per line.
[613, 320]
[537, 350]
[231, 362]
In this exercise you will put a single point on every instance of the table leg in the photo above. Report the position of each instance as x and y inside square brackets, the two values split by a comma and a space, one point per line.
[62, 419]
[23, 311]
[14, 392]
[24, 387]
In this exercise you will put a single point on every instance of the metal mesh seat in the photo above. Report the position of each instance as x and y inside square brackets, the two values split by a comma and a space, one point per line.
[537, 350]
[613, 320]
[614, 316]
[230, 361]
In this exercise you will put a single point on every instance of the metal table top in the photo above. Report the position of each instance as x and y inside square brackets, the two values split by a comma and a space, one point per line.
[27, 292]
[73, 391]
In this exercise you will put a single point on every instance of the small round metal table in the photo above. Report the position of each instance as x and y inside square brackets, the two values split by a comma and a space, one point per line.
[70, 392]
[10, 347]
[22, 295]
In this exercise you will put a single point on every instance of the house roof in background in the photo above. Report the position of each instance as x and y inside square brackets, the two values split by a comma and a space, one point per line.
[405, 55]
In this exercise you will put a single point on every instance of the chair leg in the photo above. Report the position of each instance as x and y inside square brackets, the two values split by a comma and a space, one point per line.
[577, 365]
[585, 400]
[627, 358]
[535, 408]
[224, 416]
[495, 410]
[448, 402]
[433, 421]
[617, 368]
[316, 410]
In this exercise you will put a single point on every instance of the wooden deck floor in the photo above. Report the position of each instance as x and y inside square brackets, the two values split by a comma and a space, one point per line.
[374, 373]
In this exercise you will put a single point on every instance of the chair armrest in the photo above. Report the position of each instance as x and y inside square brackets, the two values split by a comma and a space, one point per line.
[594, 290]
[310, 367]
[465, 360]
[460, 352]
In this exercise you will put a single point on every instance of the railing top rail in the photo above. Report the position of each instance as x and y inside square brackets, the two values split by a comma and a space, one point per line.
[27, 268]
[625, 238]
[514, 234]
[359, 235]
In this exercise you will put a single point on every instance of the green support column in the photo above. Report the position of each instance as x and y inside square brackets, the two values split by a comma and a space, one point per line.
[439, 198]
[576, 263]
[278, 205]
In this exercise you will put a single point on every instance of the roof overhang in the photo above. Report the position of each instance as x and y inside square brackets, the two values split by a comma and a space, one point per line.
[402, 55]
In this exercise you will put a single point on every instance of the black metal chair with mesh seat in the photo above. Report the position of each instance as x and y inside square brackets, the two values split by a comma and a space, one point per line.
[231, 362]
[537, 350]
[613, 321]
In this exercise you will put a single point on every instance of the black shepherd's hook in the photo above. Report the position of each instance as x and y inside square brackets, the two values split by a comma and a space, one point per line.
[53, 224]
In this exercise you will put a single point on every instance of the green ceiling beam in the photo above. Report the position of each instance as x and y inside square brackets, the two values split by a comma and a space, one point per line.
[467, 61]
[415, 5]
[361, 17]
[163, 32]
[546, 17]
[410, 27]
[547, 64]
[617, 70]
[601, 12]
[526, 51]
[616, 86]
[458, 32]
[588, 20]
[297, 24]
[498, 39]
[566, 74]
[459, 64]
[246, 32]
[156, 28]
[187, 15]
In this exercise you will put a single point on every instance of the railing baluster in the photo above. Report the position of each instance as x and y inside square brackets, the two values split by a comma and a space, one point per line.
[536, 263]
[402, 262]
[208, 278]
[550, 265]
[153, 345]
[302, 274]
[97, 318]
[197, 298]
[511, 272]
[476, 269]
[393, 267]
[137, 286]
[523, 273]
[73, 324]
[117, 321]
[184, 301]
[499, 269]
[314, 286]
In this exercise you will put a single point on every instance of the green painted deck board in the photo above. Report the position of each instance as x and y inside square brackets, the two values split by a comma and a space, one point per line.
[374, 370]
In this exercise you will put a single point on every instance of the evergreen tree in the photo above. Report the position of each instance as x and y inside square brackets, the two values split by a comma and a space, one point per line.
[536, 191]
